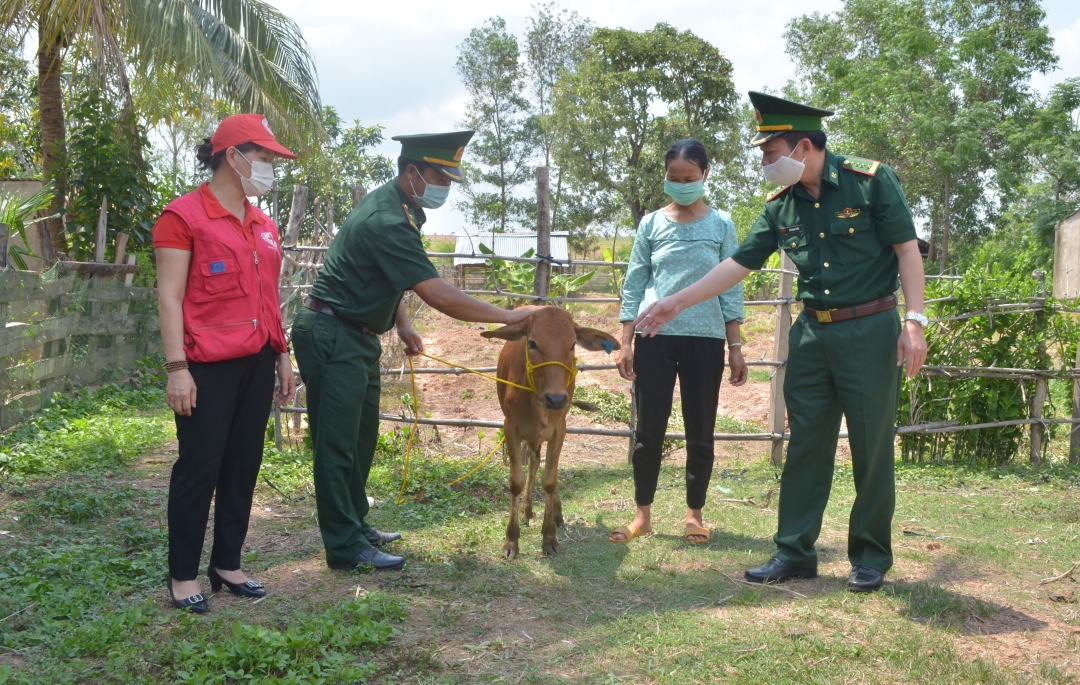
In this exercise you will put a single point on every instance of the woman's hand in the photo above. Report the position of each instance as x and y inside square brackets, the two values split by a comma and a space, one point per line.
[180, 392]
[737, 365]
[626, 352]
[656, 315]
[286, 380]
[626, 362]
[414, 344]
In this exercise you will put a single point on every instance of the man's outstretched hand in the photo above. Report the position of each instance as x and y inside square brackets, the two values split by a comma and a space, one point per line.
[656, 316]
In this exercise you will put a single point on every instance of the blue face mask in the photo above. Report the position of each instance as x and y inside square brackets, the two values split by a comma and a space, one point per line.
[684, 193]
[434, 196]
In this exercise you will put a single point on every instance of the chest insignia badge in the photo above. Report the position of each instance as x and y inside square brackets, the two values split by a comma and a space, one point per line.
[791, 229]
[848, 213]
[269, 238]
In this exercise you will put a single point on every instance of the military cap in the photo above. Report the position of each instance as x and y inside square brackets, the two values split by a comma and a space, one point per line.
[441, 150]
[776, 116]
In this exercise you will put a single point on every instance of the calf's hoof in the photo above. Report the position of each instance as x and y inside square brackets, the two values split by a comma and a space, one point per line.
[551, 546]
[527, 515]
[510, 549]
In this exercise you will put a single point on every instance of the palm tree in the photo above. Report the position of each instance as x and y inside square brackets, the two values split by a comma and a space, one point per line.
[243, 51]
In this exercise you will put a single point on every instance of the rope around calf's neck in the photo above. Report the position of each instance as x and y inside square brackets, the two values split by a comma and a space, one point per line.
[529, 368]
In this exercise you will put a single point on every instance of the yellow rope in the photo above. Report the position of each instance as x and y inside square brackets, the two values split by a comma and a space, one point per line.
[478, 373]
[486, 460]
[529, 368]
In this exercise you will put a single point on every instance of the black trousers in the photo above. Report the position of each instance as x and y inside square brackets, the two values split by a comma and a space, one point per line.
[699, 364]
[221, 447]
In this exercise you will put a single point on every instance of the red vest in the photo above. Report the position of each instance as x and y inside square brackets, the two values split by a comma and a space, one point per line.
[231, 303]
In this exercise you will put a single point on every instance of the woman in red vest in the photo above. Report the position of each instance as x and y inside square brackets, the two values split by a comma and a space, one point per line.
[218, 260]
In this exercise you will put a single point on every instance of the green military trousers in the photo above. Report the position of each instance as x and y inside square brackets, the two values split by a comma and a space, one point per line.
[340, 369]
[850, 367]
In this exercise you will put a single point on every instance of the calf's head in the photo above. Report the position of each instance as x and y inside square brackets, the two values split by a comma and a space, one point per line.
[551, 335]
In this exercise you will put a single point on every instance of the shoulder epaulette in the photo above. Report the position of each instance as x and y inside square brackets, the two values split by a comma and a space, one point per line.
[409, 216]
[862, 166]
[777, 194]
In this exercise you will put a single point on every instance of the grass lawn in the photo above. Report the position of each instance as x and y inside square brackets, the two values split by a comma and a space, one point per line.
[82, 562]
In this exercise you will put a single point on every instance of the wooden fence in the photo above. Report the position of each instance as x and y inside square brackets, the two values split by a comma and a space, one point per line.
[302, 263]
[77, 323]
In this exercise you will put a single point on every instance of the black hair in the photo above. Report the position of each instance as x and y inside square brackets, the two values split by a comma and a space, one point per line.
[404, 163]
[204, 154]
[816, 138]
[690, 150]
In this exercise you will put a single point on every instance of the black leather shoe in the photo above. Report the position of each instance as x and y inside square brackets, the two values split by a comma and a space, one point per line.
[378, 538]
[776, 571]
[249, 588]
[379, 560]
[196, 603]
[865, 579]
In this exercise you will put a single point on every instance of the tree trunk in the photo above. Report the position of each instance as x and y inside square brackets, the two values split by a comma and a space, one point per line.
[946, 224]
[53, 147]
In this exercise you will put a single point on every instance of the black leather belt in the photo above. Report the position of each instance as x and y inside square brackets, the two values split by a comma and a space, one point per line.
[323, 308]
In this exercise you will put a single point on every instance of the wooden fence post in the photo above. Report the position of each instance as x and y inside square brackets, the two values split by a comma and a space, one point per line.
[542, 279]
[1037, 428]
[292, 231]
[777, 406]
[358, 193]
[1074, 436]
[99, 234]
[3, 247]
[1038, 400]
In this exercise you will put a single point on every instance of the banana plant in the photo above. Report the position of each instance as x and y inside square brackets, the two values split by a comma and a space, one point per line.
[15, 211]
[564, 284]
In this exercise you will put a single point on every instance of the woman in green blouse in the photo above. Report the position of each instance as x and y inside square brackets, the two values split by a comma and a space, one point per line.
[675, 246]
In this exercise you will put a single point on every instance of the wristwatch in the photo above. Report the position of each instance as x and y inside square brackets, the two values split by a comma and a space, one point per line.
[917, 317]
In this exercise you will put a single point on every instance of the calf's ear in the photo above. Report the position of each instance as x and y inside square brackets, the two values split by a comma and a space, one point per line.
[515, 331]
[595, 340]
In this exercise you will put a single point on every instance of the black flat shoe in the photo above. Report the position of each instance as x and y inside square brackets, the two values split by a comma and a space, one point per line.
[378, 538]
[379, 560]
[196, 603]
[776, 571]
[248, 588]
[865, 579]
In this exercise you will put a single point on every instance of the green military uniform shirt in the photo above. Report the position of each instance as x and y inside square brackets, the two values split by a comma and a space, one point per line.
[377, 254]
[841, 242]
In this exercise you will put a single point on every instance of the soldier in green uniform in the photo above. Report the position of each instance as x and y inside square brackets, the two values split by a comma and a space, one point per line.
[846, 225]
[377, 255]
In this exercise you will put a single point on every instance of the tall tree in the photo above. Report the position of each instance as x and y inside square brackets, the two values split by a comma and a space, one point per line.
[556, 42]
[926, 85]
[634, 95]
[490, 67]
[245, 51]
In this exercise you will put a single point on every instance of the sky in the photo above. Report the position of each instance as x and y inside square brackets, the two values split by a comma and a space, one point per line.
[393, 64]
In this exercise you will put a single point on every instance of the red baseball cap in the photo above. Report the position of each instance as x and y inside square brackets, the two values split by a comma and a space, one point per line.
[247, 128]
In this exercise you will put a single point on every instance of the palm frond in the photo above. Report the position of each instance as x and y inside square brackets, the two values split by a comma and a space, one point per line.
[243, 50]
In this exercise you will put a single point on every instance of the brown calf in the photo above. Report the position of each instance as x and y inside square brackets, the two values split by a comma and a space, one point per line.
[549, 335]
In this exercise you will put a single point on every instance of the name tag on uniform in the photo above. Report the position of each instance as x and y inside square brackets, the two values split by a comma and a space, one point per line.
[217, 267]
[791, 229]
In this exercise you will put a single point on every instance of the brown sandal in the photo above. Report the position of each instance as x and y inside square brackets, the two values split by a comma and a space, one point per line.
[694, 530]
[629, 532]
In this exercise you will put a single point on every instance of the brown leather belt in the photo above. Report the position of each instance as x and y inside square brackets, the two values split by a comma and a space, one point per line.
[323, 308]
[882, 304]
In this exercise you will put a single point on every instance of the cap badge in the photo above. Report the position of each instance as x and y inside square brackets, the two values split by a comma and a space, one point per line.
[266, 125]
[757, 115]
[459, 153]
[848, 213]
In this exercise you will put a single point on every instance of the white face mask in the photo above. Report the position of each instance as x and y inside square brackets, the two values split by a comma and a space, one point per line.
[434, 196]
[784, 171]
[262, 177]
